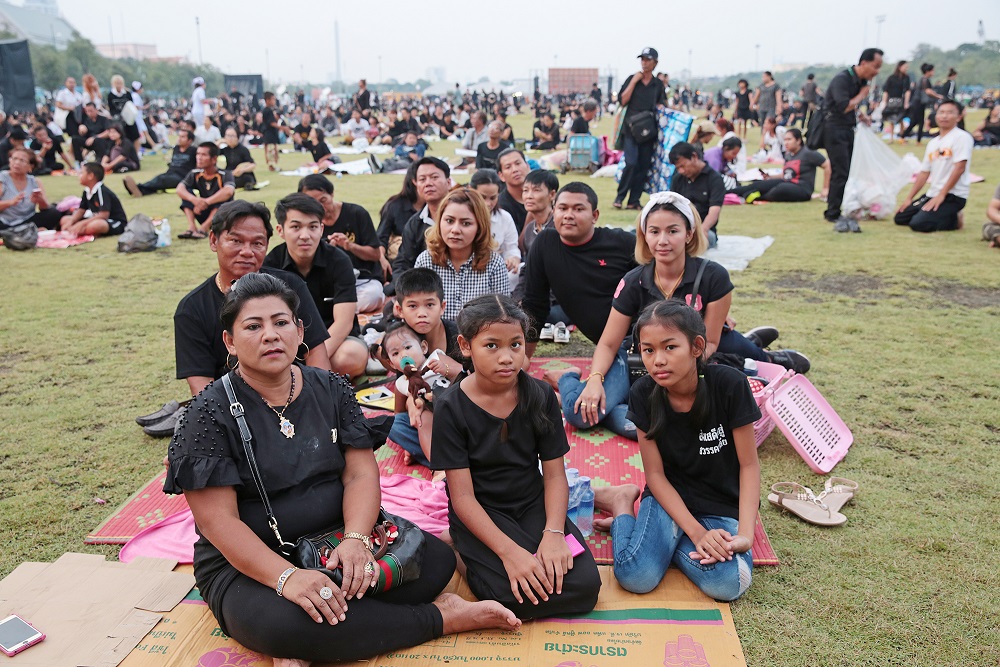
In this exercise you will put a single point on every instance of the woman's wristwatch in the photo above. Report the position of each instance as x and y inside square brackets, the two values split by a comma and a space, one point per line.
[365, 539]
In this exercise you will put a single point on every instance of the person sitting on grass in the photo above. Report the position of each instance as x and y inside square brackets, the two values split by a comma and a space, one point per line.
[798, 177]
[487, 183]
[946, 166]
[238, 160]
[513, 170]
[320, 150]
[207, 131]
[539, 193]
[722, 158]
[48, 147]
[355, 129]
[182, 161]
[318, 470]
[203, 191]
[411, 150]
[695, 427]
[122, 157]
[489, 150]
[350, 228]
[92, 134]
[460, 250]
[991, 228]
[329, 275]
[100, 212]
[420, 303]
[433, 177]
[546, 133]
[699, 184]
[22, 198]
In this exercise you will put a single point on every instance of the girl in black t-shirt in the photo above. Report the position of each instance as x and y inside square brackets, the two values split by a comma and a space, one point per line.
[695, 426]
[508, 520]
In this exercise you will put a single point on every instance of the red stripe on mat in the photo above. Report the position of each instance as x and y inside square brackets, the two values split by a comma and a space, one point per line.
[147, 506]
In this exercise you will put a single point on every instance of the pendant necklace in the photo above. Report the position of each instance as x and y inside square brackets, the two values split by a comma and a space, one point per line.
[286, 427]
[666, 294]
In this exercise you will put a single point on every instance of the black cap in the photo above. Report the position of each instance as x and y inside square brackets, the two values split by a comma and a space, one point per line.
[649, 52]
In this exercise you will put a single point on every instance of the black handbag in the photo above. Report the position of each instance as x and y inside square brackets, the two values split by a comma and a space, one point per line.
[642, 126]
[397, 543]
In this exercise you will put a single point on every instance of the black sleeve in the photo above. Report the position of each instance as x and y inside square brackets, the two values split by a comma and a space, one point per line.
[200, 453]
[315, 332]
[580, 126]
[621, 91]
[661, 95]
[716, 190]
[449, 434]
[192, 344]
[188, 181]
[627, 299]
[536, 287]
[480, 157]
[365, 228]
[385, 224]
[838, 94]
[408, 249]
[638, 402]
[342, 273]
[243, 154]
[741, 409]
[355, 431]
[554, 444]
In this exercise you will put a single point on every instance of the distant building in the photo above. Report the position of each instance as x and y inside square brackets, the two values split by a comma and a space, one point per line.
[38, 22]
[128, 50]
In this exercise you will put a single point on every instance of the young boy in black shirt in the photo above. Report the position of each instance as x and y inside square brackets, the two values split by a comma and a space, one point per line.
[100, 211]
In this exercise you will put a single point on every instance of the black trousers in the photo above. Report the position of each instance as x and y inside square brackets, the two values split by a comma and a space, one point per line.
[916, 113]
[246, 180]
[47, 218]
[163, 181]
[774, 189]
[638, 160]
[260, 620]
[944, 219]
[839, 143]
[101, 147]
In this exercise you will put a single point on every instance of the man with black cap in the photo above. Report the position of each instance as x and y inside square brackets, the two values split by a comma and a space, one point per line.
[643, 93]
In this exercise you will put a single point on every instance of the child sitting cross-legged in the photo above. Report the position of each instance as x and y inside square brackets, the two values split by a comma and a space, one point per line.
[100, 212]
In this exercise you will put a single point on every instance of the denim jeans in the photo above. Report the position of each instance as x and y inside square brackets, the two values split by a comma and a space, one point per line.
[406, 437]
[646, 545]
[733, 342]
[713, 238]
[616, 387]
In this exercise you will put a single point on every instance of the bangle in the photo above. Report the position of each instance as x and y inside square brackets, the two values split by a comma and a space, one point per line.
[553, 530]
[282, 579]
[367, 541]
[595, 373]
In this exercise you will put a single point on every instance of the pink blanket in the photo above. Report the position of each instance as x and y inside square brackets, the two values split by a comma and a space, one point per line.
[50, 238]
[422, 502]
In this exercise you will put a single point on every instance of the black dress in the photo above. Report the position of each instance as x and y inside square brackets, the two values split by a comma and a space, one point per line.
[509, 487]
[302, 476]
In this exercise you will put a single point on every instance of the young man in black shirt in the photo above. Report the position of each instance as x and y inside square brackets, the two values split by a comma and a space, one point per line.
[100, 210]
[238, 160]
[350, 227]
[270, 125]
[578, 263]
[642, 92]
[300, 135]
[93, 134]
[581, 124]
[513, 170]
[329, 275]
[182, 161]
[432, 178]
[701, 185]
[546, 133]
[844, 96]
[487, 153]
[203, 190]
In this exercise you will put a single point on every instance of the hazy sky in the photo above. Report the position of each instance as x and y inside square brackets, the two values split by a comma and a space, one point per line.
[292, 41]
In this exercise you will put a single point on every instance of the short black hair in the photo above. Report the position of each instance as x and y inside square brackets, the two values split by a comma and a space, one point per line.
[795, 132]
[437, 163]
[731, 143]
[256, 286]
[419, 281]
[96, 170]
[485, 176]
[681, 150]
[868, 55]
[768, 72]
[315, 182]
[189, 133]
[297, 202]
[810, 76]
[228, 214]
[543, 177]
[580, 188]
[507, 151]
[211, 147]
[952, 102]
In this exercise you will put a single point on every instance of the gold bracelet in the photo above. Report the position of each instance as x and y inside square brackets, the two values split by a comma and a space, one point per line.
[367, 541]
[279, 589]
[553, 530]
[596, 373]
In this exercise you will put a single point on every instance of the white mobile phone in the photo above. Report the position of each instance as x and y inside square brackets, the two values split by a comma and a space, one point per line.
[16, 634]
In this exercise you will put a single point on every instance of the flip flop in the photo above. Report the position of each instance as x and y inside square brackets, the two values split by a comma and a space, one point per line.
[838, 492]
[803, 503]
[190, 234]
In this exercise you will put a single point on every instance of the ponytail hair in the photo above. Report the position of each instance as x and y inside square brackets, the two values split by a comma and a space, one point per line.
[675, 314]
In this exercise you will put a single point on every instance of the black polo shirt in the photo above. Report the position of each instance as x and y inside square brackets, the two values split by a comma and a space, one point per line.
[331, 277]
[645, 96]
[638, 288]
[236, 156]
[208, 185]
[704, 192]
[843, 87]
[355, 223]
[181, 161]
[103, 199]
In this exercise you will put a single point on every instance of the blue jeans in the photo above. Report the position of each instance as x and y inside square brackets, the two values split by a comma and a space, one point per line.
[406, 437]
[646, 545]
[713, 238]
[733, 342]
[616, 386]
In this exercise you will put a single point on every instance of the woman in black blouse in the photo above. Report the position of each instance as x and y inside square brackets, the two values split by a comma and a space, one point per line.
[314, 449]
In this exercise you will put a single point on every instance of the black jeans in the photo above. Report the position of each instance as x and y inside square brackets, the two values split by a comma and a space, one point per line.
[944, 219]
[839, 143]
[774, 189]
[638, 160]
[916, 113]
[163, 181]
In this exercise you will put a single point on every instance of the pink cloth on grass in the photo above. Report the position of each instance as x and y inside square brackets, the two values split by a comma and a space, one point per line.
[423, 502]
[732, 199]
[50, 238]
[69, 203]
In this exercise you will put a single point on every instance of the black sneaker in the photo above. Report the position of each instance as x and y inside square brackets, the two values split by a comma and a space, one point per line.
[791, 360]
[165, 428]
[168, 409]
[761, 336]
[373, 163]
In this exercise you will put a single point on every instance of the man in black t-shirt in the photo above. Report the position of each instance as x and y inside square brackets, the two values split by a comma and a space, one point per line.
[701, 185]
[100, 210]
[513, 170]
[581, 124]
[300, 135]
[239, 237]
[643, 93]
[203, 190]
[595, 94]
[270, 126]
[546, 133]
[329, 275]
[182, 161]
[92, 134]
[350, 227]
[487, 153]
[238, 160]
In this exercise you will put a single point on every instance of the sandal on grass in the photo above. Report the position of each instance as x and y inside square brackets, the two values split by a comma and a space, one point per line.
[838, 492]
[193, 234]
[803, 503]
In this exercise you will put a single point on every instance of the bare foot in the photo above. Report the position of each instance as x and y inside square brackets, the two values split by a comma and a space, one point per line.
[616, 500]
[459, 615]
[439, 476]
[603, 524]
[552, 375]
[290, 662]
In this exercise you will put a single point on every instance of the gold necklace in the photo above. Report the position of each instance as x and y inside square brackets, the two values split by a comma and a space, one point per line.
[666, 294]
[218, 282]
[286, 427]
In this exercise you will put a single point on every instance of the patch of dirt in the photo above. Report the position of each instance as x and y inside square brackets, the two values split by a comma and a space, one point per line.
[952, 292]
[8, 361]
[853, 284]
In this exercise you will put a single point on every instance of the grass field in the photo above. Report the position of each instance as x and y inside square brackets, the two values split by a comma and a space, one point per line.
[900, 329]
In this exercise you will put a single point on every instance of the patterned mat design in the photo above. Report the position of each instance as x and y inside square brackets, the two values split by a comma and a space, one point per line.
[147, 506]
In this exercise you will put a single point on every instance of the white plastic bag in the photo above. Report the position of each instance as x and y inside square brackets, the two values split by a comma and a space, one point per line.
[877, 174]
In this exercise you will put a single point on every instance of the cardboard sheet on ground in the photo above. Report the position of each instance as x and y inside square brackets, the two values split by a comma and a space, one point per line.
[675, 625]
[94, 612]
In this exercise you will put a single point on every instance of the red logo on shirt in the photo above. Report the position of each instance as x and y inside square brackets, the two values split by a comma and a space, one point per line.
[621, 285]
[601, 262]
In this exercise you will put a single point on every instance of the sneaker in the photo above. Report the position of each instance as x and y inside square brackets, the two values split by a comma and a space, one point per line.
[168, 409]
[165, 428]
[373, 163]
[853, 225]
[843, 225]
[561, 333]
[548, 332]
[131, 186]
[761, 336]
[752, 197]
[791, 359]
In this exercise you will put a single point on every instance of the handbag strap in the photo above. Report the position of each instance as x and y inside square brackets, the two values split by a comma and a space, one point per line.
[236, 408]
[697, 280]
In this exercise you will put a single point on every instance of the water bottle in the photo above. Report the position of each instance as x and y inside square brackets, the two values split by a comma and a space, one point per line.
[573, 481]
[585, 509]
[163, 233]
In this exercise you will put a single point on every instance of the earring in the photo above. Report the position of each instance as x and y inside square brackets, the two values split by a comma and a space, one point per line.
[299, 355]
[231, 366]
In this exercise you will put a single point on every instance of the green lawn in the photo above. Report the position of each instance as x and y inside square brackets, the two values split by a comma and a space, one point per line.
[899, 328]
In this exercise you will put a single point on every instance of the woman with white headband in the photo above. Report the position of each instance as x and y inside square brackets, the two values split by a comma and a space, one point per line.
[668, 239]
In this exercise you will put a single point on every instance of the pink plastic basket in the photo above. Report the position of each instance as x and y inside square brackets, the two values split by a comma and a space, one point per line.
[812, 427]
[775, 375]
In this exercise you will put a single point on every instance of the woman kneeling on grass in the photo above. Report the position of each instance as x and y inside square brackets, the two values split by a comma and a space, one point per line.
[314, 449]
[460, 250]
[695, 426]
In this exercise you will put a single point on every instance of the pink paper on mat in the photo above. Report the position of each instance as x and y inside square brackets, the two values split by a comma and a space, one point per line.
[50, 238]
